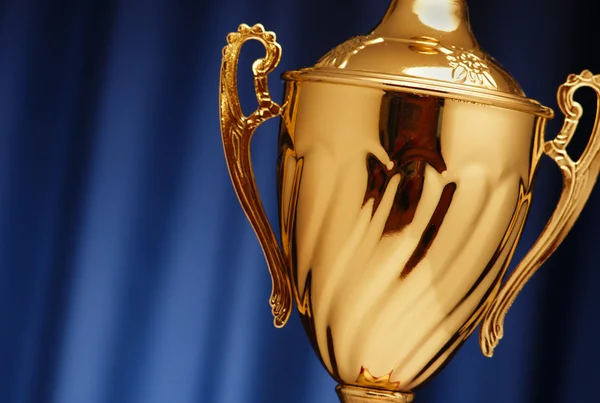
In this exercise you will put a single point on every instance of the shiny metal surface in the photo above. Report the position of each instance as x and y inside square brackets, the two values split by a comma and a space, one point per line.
[405, 171]
[579, 178]
[426, 45]
[404, 213]
[352, 394]
[237, 131]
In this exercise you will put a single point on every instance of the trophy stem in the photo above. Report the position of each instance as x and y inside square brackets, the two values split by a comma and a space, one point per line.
[355, 394]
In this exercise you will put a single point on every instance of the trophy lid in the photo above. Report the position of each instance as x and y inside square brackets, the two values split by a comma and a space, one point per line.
[423, 46]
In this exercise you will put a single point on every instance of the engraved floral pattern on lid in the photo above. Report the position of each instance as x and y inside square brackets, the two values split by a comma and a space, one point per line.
[468, 68]
[339, 56]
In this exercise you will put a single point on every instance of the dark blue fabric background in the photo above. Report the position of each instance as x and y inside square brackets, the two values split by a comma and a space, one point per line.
[128, 272]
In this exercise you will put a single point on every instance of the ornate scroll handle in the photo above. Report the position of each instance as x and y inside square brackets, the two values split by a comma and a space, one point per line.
[237, 131]
[579, 178]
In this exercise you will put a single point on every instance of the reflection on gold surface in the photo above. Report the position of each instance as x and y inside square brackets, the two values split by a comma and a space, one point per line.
[237, 131]
[469, 68]
[432, 72]
[402, 211]
[365, 378]
[340, 55]
[441, 15]
[579, 178]
[356, 394]
[405, 171]
[424, 45]
[464, 67]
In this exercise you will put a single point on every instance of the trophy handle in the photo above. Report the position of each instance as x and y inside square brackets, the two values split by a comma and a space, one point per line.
[237, 131]
[579, 178]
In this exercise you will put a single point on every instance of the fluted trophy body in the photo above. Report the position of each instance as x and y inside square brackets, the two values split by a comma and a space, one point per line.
[401, 213]
[405, 174]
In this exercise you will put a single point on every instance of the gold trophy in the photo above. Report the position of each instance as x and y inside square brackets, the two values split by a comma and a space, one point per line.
[406, 163]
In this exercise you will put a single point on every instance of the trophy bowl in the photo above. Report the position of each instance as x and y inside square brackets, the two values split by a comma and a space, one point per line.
[405, 174]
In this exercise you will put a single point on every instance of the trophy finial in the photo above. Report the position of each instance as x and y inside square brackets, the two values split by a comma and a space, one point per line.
[446, 21]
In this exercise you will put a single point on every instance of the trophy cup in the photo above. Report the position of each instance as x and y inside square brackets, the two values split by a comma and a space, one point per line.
[405, 174]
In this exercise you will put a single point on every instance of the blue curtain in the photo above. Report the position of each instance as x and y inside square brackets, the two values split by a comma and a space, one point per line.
[128, 272]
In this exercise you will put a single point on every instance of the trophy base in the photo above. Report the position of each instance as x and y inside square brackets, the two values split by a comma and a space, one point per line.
[355, 394]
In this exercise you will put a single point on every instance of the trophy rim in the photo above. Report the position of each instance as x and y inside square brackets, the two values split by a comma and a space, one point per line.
[427, 87]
